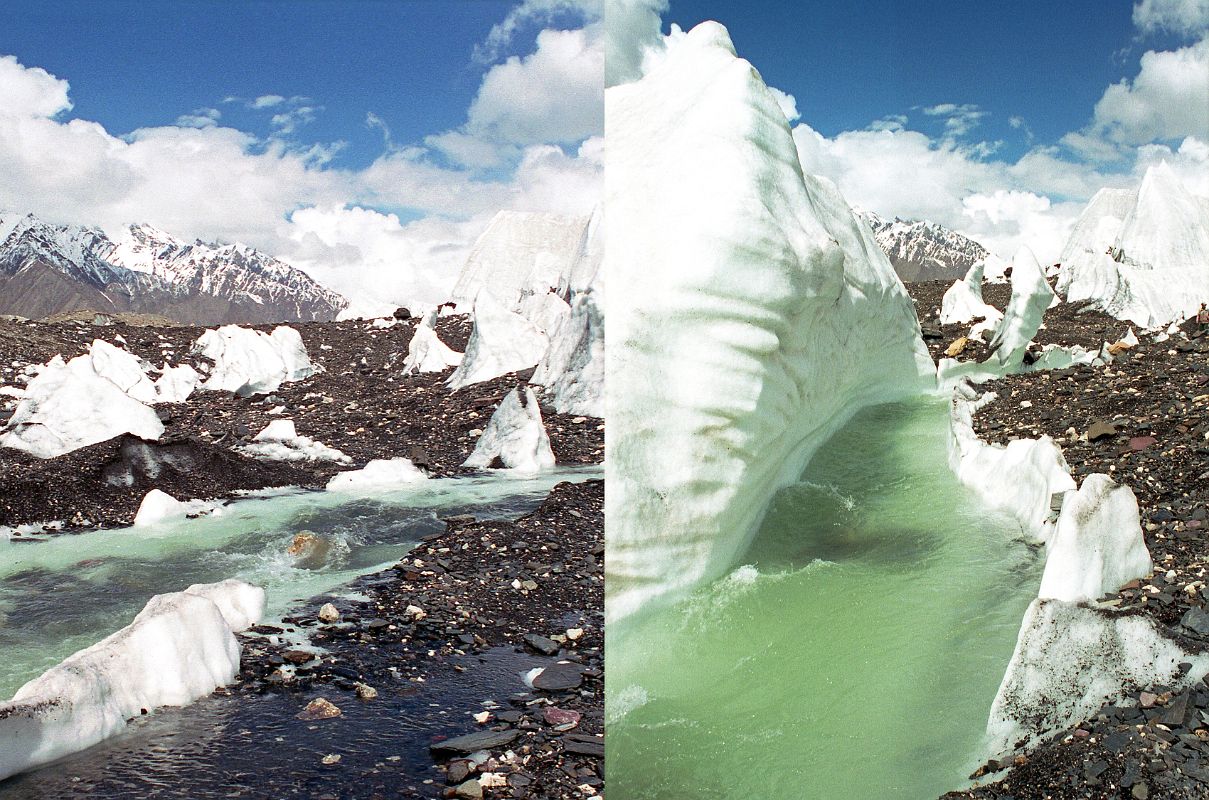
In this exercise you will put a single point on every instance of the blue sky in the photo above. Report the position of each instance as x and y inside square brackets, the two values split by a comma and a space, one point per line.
[131, 66]
[851, 63]
[367, 142]
[999, 120]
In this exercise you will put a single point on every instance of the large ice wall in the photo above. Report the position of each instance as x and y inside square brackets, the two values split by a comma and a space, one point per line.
[751, 314]
[521, 252]
[1070, 660]
[180, 647]
[1141, 256]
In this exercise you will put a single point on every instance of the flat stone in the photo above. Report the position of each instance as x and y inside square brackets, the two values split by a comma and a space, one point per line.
[558, 677]
[559, 716]
[541, 644]
[1196, 620]
[1100, 429]
[473, 742]
[1141, 442]
[298, 656]
[584, 745]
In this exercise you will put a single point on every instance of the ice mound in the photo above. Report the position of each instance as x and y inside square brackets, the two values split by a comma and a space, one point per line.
[518, 251]
[502, 341]
[572, 371]
[123, 370]
[250, 362]
[180, 647]
[515, 435]
[69, 406]
[176, 384]
[280, 441]
[1031, 297]
[157, 506]
[1097, 546]
[751, 314]
[963, 301]
[427, 353]
[377, 474]
[1070, 660]
[1019, 479]
[1140, 256]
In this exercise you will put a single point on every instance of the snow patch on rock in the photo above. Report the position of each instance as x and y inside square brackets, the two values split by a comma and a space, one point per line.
[515, 435]
[180, 647]
[1072, 659]
[377, 474]
[280, 441]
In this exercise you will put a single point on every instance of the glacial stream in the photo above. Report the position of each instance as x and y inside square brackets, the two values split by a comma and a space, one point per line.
[72, 590]
[854, 650]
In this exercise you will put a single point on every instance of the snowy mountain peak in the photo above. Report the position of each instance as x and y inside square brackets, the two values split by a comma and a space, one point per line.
[922, 250]
[48, 268]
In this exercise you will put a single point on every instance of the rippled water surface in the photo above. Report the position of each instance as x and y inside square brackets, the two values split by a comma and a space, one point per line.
[69, 591]
[853, 652]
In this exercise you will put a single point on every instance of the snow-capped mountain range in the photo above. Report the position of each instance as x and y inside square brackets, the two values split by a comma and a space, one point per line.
[46, 269]
[922, 250]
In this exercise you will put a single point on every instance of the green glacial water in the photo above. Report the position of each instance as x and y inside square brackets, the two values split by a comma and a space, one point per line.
[69, 591]
[854, 650]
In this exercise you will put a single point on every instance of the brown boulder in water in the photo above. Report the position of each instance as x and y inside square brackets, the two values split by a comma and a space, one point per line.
[310, 550]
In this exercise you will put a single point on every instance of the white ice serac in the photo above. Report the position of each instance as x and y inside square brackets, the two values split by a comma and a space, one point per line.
[751, 314]
[515, 435]
[180, 647]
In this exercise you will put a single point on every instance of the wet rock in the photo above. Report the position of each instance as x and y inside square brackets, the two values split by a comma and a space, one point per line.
[365, 691]
[319, 708]
[329, 613]
[473, 742]
[559, 677]
[298, 656]
[541, 644]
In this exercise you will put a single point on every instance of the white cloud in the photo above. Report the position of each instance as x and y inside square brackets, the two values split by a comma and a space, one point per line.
[30, 91]
[958, 119]
[200, 179]
[1169, 99]
[554, 94]
[1177, 16]
[527, 12]
[266, 101]
[633, 30]
[787, 102]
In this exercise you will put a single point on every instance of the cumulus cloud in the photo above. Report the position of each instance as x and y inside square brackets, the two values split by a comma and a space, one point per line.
[529, 12]
[1169, 99]
[554, 94]
[30, 91]
[200, 179]
[634, 30]
[1176, 16]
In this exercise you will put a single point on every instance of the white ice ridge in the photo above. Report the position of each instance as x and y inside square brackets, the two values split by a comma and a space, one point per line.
[502, 341]
[1031, 297]
[280, 441]
[71, 405]
[963, 301]
[250, 362]
[1141, 255]
[376, 475]
[426, 352]
[1070, 660]
[515, 435]
[1018, 479]
[1097, 545]
[572, 371]
[520, 251]
[180, 647]
[751, 314]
